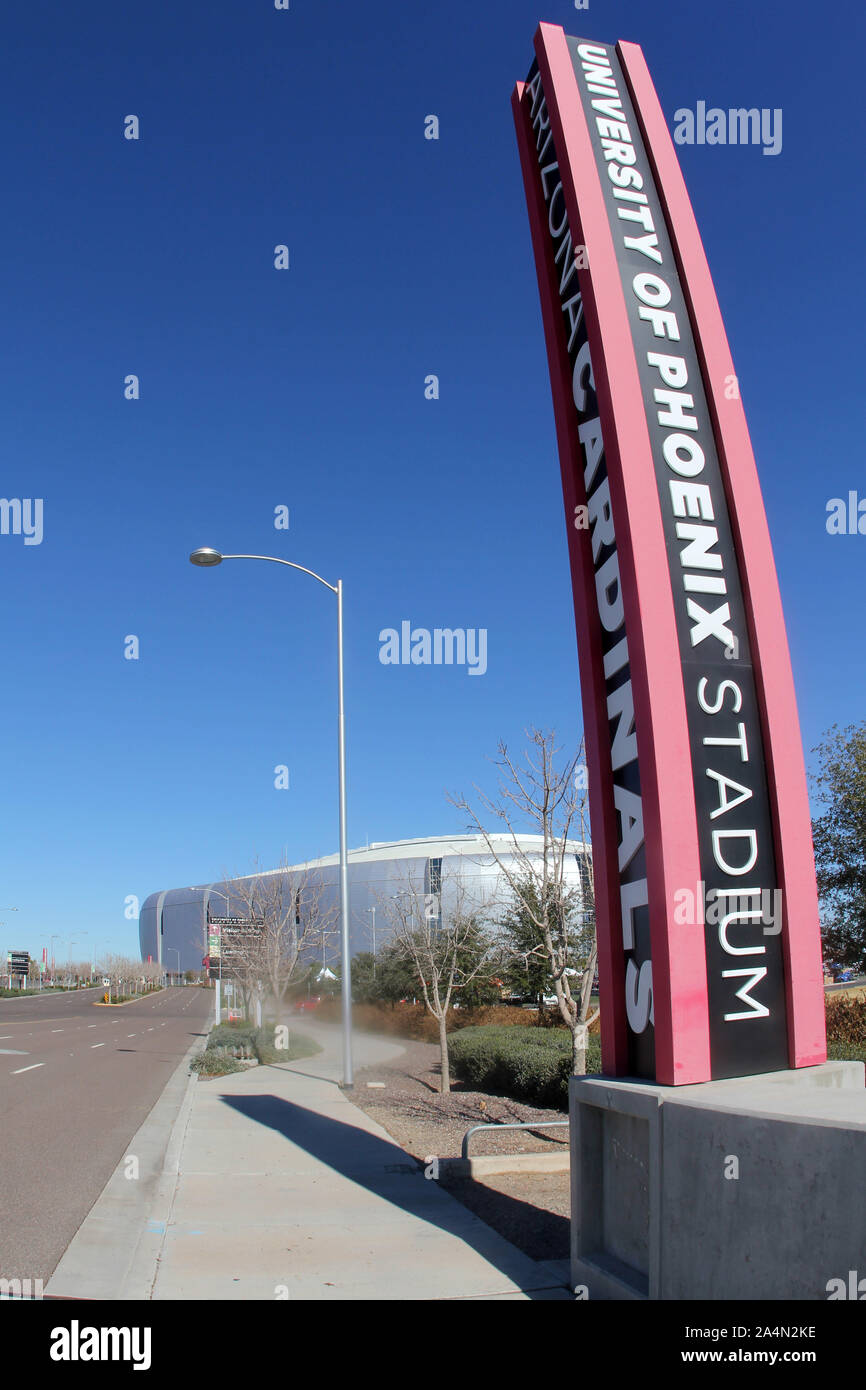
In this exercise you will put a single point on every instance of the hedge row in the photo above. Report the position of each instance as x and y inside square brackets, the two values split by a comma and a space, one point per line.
[246, 1041]
[846, 1021]
[533, 1064]
[846, 1052]
[528, 1064]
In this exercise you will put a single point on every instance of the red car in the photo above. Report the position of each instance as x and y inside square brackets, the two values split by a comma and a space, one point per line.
[304, 1005]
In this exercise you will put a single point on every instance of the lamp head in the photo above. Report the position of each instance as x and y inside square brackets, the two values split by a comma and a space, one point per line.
[205, 557]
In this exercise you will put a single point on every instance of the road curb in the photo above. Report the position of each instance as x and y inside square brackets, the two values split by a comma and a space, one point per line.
[144, 1263]
[100, 1003]
[115, 1252]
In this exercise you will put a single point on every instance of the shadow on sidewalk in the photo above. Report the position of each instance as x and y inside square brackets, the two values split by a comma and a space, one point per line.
[541, 1234]
[386, 1170]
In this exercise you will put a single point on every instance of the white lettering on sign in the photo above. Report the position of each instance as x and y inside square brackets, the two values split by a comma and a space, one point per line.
[602, 536]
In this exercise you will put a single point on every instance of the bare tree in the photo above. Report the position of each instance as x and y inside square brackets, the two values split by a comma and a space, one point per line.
[152, 972]
[291, 916]
[76, 970]
[121, 970]
[448, 944]
[538, 795]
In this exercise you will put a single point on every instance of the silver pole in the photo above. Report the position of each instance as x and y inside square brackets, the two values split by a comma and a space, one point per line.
[206, 557]
[348, 1078]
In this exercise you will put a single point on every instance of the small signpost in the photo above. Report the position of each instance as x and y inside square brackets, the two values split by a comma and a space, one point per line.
[19, 965]
[226, 938]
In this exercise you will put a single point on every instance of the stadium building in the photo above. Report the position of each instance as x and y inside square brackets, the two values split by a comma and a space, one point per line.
[173, 923]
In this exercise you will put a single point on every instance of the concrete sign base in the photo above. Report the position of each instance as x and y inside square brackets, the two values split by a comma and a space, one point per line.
[748, 1188]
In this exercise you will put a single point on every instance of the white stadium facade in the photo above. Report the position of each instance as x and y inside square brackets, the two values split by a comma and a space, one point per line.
[173, 923]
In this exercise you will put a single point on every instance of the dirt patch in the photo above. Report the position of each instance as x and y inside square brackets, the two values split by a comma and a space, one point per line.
[530, 1210]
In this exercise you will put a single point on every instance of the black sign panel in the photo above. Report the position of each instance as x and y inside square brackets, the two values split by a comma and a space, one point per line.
[737, 902]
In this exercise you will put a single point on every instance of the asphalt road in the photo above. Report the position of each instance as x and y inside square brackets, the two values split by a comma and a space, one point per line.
[76, 1082]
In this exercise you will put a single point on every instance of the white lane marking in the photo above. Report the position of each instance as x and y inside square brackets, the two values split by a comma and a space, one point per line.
[14, 1051]
[92, 1025]
[5, 1035]
[32, 1067]
[130, 1035]
[57, 1030]
[97, 1045]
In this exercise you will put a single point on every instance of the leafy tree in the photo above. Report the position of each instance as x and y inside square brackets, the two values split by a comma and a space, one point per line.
[383, 978]
[479, 968]
[364, 990]
[839, 833]
[528, 970]
[396, 976]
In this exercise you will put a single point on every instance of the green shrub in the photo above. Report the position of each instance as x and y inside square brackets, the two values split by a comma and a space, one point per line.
[236, 1039]
[215, 1061]
[244, 1041]
[528, 1064]
[299, 1045]
[231, 1034]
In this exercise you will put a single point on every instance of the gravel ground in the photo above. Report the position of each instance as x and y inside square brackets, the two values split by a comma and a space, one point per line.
[530, 1210]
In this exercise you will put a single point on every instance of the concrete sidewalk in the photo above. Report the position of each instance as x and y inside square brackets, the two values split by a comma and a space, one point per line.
[275, 1186]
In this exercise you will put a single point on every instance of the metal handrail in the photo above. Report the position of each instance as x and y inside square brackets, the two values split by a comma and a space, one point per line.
[523, 1124]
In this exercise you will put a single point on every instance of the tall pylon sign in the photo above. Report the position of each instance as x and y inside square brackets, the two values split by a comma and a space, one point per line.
[709, 942]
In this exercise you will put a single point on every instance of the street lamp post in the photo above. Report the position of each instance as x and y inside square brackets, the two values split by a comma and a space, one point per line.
[207, 557]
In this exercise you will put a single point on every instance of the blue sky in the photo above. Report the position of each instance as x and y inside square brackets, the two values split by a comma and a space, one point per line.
[304, 388]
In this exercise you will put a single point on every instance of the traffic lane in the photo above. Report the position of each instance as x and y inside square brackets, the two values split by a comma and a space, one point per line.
[55, 1034]
[39, 1008]
[65, 1128]
[22, 1048]
[168, 1003]
[67, 1004]
[27, 1050]
[68, 1124]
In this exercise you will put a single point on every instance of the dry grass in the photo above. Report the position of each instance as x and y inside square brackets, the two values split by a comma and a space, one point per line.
[416, 1022]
